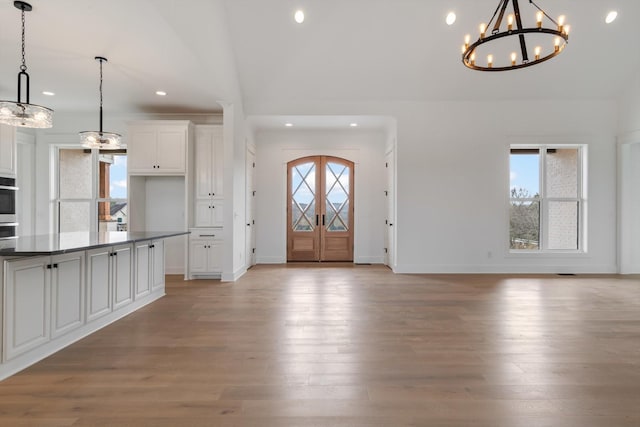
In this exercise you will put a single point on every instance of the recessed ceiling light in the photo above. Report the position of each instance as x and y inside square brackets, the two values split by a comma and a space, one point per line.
[451, 18]
[299, 16]
[46, 92]
[611, 16]
[288, 124]
[354, 125]
[161, 93]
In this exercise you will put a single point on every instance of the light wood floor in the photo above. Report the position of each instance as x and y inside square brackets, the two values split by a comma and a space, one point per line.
[339, 345]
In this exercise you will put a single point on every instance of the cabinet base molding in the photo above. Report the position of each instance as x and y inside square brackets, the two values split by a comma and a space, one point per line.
[31, 357]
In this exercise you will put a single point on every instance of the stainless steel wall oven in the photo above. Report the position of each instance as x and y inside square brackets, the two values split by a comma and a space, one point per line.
[8, 217]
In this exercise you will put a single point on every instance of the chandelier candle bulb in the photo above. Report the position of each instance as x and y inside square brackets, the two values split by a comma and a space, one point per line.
[490, 61]
[472, 59]
[561, 19]
[539, 16]
[566, 30]
[467, 40]
[510, 22]
[537, 51]
[483, 30]
[513, 58]
[556, 47]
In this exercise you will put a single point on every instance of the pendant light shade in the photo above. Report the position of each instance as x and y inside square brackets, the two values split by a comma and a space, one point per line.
[100, 139]
[22, 113]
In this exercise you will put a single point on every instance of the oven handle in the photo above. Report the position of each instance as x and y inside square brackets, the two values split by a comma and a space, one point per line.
[6, 187]
[8, 224]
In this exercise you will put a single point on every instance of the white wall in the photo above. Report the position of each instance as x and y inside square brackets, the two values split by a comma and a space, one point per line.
[453, 182]
[629, 179]
[275, 148]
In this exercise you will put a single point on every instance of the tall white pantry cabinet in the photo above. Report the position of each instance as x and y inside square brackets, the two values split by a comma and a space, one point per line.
[172, 149]
[206, 246]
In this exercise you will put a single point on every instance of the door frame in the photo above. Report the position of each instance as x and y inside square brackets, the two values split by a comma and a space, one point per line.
[320, 244]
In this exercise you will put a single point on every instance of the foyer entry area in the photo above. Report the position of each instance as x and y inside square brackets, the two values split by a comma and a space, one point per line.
[320, 209]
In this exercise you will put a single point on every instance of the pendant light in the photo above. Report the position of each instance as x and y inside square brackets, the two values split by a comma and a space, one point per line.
[22, 113]
[100, 139]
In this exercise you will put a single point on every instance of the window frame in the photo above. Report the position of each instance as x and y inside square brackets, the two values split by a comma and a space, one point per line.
[544, 200]
[94, 201]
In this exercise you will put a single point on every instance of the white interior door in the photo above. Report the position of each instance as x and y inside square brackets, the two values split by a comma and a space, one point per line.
[250, 234]
[389, 235]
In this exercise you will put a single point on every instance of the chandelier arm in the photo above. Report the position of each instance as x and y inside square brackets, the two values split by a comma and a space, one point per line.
[523, 42]
[496, 12]
[496, 27]
[543, 12]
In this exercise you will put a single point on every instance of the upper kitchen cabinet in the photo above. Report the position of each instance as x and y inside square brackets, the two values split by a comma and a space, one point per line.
[158, 147]
[7, 151]
[209, 161]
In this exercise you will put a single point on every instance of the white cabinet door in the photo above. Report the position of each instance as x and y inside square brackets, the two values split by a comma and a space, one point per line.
[215, 256]
[198, 254]
[98, 284]
[8, 151]
[122, 276]
[67, 293]
[204, 154]
[171, 150]
[209, 161]
[26, 306]
[142, 150]
[157, 264]
[143, 272]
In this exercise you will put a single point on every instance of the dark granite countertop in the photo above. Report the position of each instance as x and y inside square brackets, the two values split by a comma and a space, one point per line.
[53, 244]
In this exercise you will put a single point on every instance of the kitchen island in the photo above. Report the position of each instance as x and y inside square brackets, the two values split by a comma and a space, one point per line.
[59, 288]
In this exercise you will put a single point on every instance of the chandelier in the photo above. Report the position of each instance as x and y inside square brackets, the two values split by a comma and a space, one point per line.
[100, 139]
[519, 45]
[22, 113]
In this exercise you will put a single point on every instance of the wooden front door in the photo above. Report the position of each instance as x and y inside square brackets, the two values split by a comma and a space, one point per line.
[320, 209]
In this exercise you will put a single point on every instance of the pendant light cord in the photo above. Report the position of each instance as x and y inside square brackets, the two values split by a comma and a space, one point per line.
[100, 95]
[23, 67]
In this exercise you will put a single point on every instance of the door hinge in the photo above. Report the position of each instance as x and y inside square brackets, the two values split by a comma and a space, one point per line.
[386, 164]
[253, 221]
[254, 193]
[253, 251]
[386, 251]
[254, 164]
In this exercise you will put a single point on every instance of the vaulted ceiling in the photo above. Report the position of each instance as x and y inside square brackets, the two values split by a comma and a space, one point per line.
[346, 52]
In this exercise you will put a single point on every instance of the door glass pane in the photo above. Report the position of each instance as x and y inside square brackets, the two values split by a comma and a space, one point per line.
[303, 193]
[524, 225]
[75, 216]
[562, 232]
[561, 170]
[337, 197]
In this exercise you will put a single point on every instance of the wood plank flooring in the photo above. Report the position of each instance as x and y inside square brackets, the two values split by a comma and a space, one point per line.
[344, 345]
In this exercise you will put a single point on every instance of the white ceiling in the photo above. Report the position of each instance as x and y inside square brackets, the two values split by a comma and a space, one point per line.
[348, 52]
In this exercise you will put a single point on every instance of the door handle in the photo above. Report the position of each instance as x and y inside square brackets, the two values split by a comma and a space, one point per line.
[323, 220]
[317, 223]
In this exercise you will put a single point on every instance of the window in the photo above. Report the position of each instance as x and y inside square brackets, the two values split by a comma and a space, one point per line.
[546, 198]
[91, 190]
